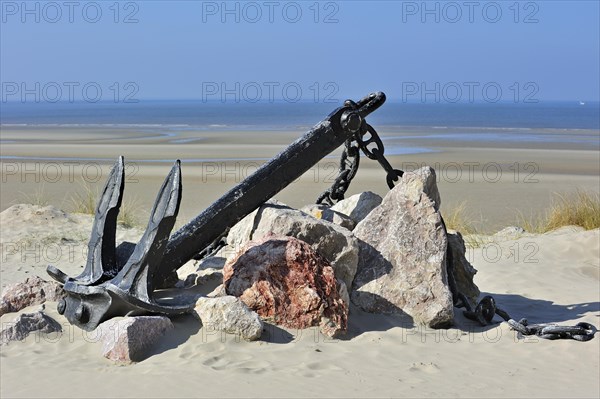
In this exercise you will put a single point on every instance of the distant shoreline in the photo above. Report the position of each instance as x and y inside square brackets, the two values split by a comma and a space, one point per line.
[232, 115]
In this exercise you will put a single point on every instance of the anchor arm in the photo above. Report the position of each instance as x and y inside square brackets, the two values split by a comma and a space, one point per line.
[101, 263]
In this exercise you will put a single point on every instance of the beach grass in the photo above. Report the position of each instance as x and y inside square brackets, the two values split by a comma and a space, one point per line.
[85, 202]
[38, 197]
[127, 214]
[578, 208]
[456, 219]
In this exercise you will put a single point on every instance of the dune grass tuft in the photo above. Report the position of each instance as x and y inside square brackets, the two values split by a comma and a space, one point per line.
[85, 202]
[456, 219]
[127, 214]
[580, 208]
[38, 197]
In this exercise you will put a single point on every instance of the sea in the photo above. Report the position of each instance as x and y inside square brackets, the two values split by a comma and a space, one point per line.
[198, 115]
[406, 128]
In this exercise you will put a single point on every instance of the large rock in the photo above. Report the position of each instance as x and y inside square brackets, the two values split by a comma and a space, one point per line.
[336, 244]
[402, 254]
[285, 281]
[130, 339]
[27, 323]
[32, 291]
[231, 315]
[358, 206]
[462, 270]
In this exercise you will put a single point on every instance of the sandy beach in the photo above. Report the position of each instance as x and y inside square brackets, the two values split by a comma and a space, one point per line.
[552, 277]
[381, 356]
[495, 174]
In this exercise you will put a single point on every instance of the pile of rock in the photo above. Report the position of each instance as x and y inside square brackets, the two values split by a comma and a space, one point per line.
[304, 268]
[389, 253]
[32, 291]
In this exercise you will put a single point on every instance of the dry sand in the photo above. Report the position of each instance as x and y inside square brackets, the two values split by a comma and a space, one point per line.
[547, 278]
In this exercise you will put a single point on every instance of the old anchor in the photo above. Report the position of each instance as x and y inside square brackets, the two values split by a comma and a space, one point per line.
[117, 285]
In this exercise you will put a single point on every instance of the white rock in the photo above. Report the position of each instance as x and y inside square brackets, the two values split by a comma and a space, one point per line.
[402, 263]
[511, 231]
[358, 206]
[231, 315]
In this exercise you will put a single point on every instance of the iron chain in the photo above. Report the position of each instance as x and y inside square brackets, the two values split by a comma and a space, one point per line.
[486, 308]
[368, 141]
[377, 153]
[214, 247]
[350, 160]
[349, 163]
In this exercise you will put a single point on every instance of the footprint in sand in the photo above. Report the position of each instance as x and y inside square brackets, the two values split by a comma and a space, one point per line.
[252, 367]
[216, 362]
[429, 368]
[313, 369]
[319, 366]
[239, 362]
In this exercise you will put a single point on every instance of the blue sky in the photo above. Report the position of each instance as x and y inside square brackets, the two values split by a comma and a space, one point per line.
[195, 49]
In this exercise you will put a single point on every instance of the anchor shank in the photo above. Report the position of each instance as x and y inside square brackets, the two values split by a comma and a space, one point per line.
[248, 195]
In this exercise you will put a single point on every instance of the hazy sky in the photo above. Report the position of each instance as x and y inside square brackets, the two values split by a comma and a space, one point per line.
[545, 50]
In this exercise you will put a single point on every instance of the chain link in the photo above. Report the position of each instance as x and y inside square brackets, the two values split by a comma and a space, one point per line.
[214, 247]
[349, 163]
[377, 153]
[350, 160]
[486, 309]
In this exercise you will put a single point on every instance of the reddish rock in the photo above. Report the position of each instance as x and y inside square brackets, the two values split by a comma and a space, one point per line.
[334, 243]
[285, 281]
[32, 291]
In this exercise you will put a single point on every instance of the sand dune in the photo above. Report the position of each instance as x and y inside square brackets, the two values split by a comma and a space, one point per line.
[552, 277]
